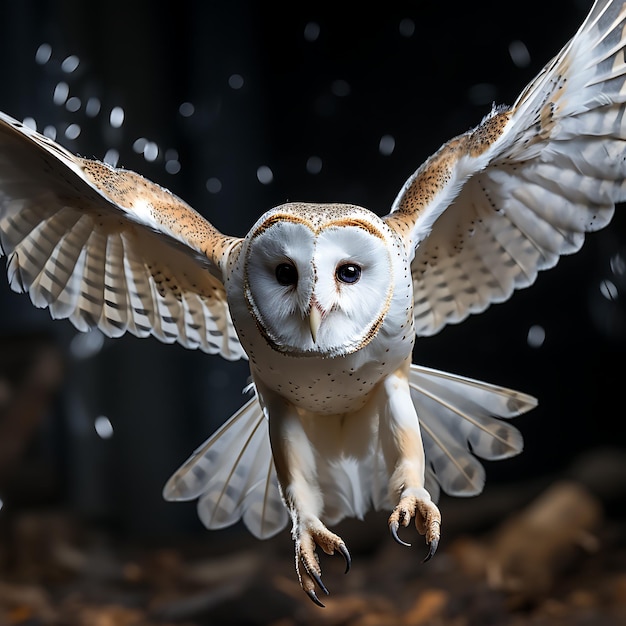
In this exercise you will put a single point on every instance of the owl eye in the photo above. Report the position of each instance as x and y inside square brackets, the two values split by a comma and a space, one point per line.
[348, 273]
[286, 274]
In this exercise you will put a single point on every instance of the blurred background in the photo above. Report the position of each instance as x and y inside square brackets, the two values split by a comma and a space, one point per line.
[237, 107]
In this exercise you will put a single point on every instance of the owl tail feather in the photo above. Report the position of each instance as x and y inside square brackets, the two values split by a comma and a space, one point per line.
[233, 476]
[461, 419]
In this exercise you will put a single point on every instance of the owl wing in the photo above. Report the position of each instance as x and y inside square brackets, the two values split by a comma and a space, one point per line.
[107, 248]
[499, 203]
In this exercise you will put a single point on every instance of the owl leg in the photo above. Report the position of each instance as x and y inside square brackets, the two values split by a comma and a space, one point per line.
[404, 455]
[296, 470]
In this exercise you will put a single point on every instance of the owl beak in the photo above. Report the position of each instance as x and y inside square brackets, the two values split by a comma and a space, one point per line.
[315, 319]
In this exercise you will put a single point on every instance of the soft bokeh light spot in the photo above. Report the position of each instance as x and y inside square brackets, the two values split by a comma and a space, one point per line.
[43, 54]
[265, 175]
[314, 165]
[60, 93]
[172, 164]
[111, 157]
[50, 132]
[618, 264]
[116, 118]
[151, 151]
[73, 104]
[311, 31]
[536, 336]
[30, 122]
[235, 81]
[92, 108]
[608, 289]
[86, 345]
[214, 185]
[103, 427]
[72, 131]
[407, 27]
[1, 504]
[386, 145]
[519, 53]
[70, 64]
[186, 109]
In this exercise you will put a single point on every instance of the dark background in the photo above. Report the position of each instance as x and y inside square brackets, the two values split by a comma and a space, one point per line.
[265, 92]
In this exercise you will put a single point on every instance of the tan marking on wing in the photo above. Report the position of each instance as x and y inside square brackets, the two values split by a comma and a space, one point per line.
[437, 171]
[129, 189]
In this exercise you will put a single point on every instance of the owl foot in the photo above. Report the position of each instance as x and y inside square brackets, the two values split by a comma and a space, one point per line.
[427, 520]
[307, 561]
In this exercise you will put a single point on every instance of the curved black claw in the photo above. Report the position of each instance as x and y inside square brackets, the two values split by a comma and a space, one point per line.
[393, 528]
[346, 556]
[318, 579]
[432, 548]
[311, 593]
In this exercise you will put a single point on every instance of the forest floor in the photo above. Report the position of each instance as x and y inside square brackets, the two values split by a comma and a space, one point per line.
[549, 553]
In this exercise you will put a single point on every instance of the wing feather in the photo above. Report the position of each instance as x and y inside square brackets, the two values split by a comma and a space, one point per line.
[106, 248]
[495, 206]
[233, 476]
[461, 419]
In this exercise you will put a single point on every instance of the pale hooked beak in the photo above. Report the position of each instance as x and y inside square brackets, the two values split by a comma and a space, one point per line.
[315, 319]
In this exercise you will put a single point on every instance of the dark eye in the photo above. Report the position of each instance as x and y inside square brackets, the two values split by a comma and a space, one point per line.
[348, 273]
[286, 274]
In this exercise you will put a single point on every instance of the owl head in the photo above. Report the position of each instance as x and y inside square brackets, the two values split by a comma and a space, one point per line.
[318, 278]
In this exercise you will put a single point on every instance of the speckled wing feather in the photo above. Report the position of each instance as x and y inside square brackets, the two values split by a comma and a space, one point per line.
[107, 248]
[498, 204]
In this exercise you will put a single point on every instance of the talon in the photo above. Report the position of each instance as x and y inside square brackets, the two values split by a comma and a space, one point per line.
[346, 555]
[311, 593]
[432, 548]
[393, 528]
[318, 580]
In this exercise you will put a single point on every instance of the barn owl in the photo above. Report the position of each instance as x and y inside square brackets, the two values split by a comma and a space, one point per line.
[326, 300]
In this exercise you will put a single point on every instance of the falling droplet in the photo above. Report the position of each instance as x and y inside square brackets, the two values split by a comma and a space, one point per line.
[407, 27]
[61, 91]
[116, 118]
[70, 64]
[386, 145]
[43, 54]
[311, 31]
[519, 53]
[103, 427]
[536, 336]
[214, 185]
[235, 81]
[265, 175]
[314, 165]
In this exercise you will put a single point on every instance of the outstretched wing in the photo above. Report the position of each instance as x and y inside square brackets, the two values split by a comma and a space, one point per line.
[494, 206]
[107, 248]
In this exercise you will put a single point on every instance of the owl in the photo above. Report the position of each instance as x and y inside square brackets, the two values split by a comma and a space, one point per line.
[326, 300]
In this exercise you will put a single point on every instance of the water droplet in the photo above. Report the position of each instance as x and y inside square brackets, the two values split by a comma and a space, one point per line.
[111, 157]
[214, 185]
[536, 336]
[73, 104]
[50, 132]
[116, 118]
[608, 289]
[311, 31]
[72, 131]
[386, 145]
[30, 122]
[265, 175]
[139, 145]
[61, 91]
[43, 54]
[92, 108]
[86, 345]
[519, 53]
[70, 64]
[103, 427]
[151, 151]
[235, 81]
[407, 27]
[186, 109]
[172, 166]
[314, 165]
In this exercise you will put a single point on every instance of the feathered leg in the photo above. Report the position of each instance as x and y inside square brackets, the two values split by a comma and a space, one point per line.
[296, 470]
[404, 454]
